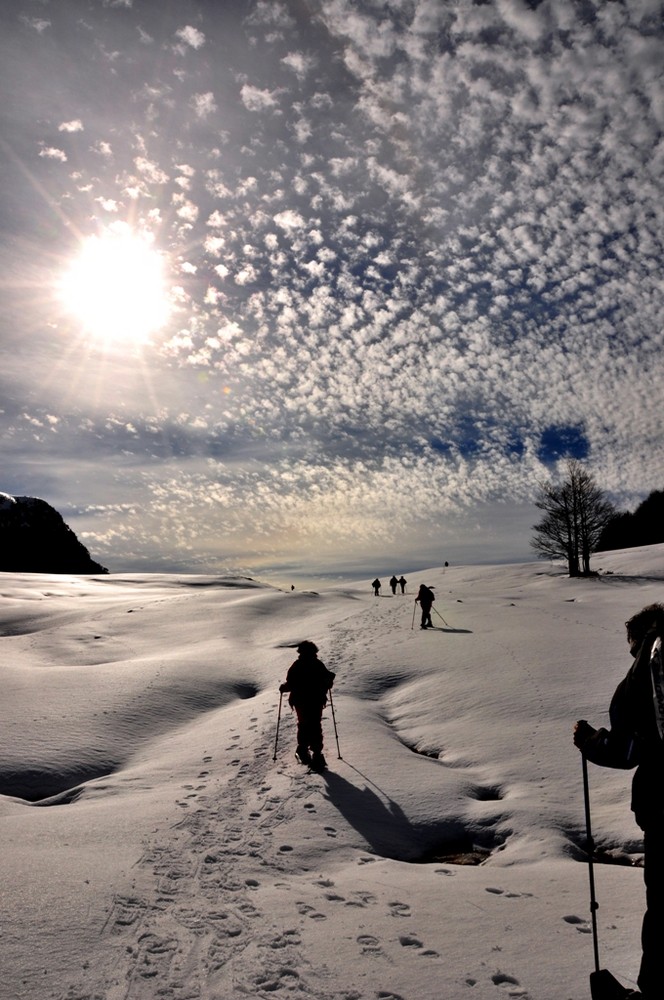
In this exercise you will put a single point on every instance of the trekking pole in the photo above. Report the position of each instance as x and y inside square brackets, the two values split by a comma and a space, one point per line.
[412, 624]
[603, 985]
[276, 738]
[441, 618]
[334, 720]
[594, 906]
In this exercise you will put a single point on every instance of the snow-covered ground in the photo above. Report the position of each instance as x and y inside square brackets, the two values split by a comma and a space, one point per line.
[151, 847]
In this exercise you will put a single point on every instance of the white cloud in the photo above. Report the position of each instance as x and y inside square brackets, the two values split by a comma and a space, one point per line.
[151, 171]
[53, 153]
[289, 220]
[75, 125]
[255, 99]
[518, 15]
[299, 63]
[38, 24]
[203, 104]
[191, 36]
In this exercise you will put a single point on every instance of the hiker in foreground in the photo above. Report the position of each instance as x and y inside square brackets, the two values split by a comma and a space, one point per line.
[308, 680]
[636, 739]
[425, 597]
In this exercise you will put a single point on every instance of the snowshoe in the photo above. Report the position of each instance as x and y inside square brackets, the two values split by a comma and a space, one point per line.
[303, 755]
[318, 762]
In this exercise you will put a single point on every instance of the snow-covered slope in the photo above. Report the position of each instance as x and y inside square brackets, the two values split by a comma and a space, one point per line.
[152, 847]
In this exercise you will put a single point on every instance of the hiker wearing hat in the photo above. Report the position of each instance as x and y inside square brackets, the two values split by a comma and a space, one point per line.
[308, 680]
[425, 597]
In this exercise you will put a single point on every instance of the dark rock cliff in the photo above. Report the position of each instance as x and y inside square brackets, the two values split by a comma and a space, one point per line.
[35, 539]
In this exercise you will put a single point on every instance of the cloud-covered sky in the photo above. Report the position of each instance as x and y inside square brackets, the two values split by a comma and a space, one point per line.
[410, 258]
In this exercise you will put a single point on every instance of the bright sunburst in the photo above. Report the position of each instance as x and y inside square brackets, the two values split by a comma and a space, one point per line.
[116, 288]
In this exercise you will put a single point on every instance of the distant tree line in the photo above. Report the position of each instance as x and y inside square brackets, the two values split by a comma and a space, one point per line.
[644, 527]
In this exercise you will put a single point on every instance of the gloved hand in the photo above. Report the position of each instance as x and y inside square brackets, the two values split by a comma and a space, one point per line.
[283, 688]
[582, 733]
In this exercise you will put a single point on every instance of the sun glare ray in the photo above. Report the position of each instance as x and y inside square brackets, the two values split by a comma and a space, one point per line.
[116, 288]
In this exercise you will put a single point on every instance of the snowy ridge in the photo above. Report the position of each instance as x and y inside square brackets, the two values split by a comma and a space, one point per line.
[152, 847]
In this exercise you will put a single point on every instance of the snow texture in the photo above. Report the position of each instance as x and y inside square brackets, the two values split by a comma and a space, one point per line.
[151, 846]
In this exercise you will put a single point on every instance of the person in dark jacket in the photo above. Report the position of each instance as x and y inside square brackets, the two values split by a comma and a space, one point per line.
[636, 739]
[402, 583]
[376, 587]
[393, 583]
[308, 681]
[425, 597]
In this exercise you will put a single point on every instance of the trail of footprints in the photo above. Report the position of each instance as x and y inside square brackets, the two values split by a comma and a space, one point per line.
[198, 932]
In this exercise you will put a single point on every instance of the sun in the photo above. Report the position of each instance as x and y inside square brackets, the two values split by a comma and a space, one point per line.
[116, 287]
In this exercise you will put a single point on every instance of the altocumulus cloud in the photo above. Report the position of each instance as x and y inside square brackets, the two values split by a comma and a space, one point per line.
[412, 258]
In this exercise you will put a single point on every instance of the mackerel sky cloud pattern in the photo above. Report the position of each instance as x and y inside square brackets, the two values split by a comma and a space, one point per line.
[413, 256]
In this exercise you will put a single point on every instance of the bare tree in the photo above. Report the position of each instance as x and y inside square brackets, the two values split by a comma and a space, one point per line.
[575, 512]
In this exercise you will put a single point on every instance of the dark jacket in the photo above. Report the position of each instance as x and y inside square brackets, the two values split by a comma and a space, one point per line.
[634, 739]
[308, 681]
[425, 596]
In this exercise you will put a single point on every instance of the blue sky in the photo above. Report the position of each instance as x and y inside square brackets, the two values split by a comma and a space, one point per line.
[409, 260]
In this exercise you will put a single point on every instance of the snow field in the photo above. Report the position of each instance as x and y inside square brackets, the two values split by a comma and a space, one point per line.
[152, 847]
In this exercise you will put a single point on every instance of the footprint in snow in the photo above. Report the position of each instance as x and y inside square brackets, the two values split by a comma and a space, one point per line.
[369, 944]
[406, 941]
[508, 895]
[502, 979]
[581, 925]
[309, 911]
[399, 909]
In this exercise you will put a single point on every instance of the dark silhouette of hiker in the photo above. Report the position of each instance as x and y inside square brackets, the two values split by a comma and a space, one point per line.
[636, 739]
[308, 680]
[425, 598]
[376, 587]
[402, 583]
[393, 584]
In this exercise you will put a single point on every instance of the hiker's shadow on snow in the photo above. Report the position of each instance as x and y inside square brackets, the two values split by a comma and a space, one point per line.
[449, 630]
[374, 815]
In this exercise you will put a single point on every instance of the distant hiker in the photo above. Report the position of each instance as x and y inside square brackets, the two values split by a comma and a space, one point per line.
[308, 680]
[393, 584]
[425, 598]
[636, 739]
[402, 583]
[376, 587]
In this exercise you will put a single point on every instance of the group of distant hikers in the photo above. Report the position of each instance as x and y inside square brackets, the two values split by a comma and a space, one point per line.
[394, 583]
[635, 739]
[425, 597]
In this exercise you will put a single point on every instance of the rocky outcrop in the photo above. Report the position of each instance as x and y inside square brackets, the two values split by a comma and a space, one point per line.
[35, 539]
